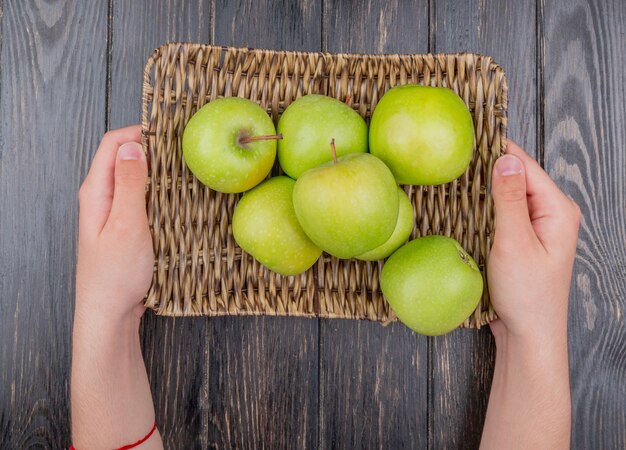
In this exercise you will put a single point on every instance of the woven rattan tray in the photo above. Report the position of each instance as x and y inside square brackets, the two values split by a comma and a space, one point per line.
[200, 270]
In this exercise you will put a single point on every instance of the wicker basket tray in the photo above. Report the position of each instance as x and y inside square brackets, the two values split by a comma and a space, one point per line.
[200, 270]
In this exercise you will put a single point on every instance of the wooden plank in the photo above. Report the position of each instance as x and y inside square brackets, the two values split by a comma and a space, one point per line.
[48, 131]
[585, 153]
[138, 28]
[463, 360]
[279, 24]
[263, 371]
[376, 26]
[373, 379]
[175, 350]
[373, 386]
[263, 383]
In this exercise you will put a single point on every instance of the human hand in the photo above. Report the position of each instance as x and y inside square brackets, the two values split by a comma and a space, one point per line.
[110, 393]
[530, 264]
[529, 272]
[115, 255]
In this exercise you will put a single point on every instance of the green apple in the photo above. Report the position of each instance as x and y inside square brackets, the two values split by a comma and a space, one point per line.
[230, 144]
[349, 205]
[308, 125]
[401, 233]
[432, 284]
[265, 226]
[424, 134]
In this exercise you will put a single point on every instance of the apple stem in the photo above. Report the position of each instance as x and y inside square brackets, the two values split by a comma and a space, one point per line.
[271, 137]
[334, 150]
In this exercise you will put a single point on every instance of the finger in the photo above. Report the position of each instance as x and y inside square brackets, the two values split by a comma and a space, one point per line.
[545, 197]
[128, 209]
[101, 171]
[551, 211]
[96, 193]
[508, 188]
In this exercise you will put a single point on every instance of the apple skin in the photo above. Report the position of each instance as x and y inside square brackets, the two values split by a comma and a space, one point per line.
[432, 284]
[212, 150]
[424, 134]
[349, 207]
[404, 227]
[265, 225]
[308, 125]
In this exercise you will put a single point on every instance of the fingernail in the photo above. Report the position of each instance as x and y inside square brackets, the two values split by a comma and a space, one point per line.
[130, 151]
[508, 165]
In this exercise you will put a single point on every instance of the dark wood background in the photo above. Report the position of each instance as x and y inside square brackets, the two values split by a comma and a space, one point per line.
[69, 70]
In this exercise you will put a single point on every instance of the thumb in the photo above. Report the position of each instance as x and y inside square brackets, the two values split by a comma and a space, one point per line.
[508, 188]
[129, 193]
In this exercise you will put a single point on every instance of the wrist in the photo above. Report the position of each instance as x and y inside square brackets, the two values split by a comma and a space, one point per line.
[545, 345]
[94, 299]
[546, 332]
[529, 404]
[107, 313]
[105, 329]
[110, 392]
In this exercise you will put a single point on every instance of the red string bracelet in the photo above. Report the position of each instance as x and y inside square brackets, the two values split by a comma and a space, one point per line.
[139, 442]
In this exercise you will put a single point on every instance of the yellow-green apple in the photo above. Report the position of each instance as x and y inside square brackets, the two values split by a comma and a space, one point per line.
[432, 284]
[265, 225]
[424, 134]
[401, 233]
[308, 125]
[349, 205]
[230, 144]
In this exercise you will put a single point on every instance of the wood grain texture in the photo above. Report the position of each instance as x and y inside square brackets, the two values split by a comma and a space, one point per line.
[271, 24]
[175, 350]
[51, 107]
[463, 360]
[373, 386]
[138, 27]
[263, 382]
[585, 153]
[263, 371]
[254, 382]
[376, 26]
[373, 379]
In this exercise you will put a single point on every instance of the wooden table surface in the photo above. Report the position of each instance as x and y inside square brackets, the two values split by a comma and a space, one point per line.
[70, 70]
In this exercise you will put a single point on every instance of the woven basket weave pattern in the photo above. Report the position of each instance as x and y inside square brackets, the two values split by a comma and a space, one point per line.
[200, 270]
